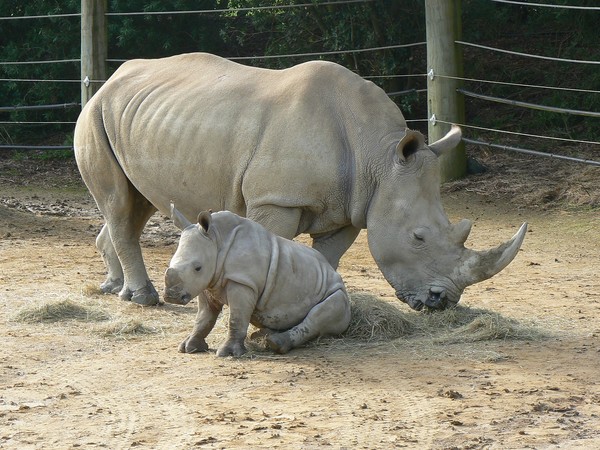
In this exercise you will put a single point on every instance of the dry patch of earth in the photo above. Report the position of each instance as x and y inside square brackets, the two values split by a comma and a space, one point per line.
[108, 374]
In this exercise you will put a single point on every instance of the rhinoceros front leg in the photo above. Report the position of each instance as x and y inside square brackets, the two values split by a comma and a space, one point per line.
[208, 312]
[278, 220]
[330, 317]
[242, 301]
[333, 245]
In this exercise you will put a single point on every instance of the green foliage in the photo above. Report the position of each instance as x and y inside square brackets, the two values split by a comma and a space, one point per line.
[154, 36]
[553, 32]
[312, 29]
[335, 28]
[38, 40]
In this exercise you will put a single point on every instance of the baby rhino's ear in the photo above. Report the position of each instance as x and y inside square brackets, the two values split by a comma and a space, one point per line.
[179, 219]
[204, 219]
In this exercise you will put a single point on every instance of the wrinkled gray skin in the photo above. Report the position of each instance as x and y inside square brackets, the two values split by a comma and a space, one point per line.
[310, 149]
[284, 288]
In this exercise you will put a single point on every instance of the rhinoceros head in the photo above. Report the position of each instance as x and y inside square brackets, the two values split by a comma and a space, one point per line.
[420, 253]
[194, 263]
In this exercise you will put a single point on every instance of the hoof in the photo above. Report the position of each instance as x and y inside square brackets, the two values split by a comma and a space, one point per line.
[261, 334]
[193, 345]
[279, 342]
[112, 286]
[235, 349]
[146, 296]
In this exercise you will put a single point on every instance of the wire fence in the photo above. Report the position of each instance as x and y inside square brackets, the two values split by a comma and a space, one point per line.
[467, 93]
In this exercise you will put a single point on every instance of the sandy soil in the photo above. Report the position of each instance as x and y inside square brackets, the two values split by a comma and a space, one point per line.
[72, 384]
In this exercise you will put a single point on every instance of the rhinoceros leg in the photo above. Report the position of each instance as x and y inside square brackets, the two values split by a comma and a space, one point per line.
[242, 301]
[208, 312]
[126, 220]
[114, 279]
[333, 245]
[124, 208]
[278, 220]
[330, 317]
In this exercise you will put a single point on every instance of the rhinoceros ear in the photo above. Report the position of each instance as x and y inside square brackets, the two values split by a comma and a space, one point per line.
[409, 145]
[179, 219]
[204, 219]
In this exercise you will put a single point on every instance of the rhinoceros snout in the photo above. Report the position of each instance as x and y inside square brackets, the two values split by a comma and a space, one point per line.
[177, 297]
[436, 299]
[174, 292]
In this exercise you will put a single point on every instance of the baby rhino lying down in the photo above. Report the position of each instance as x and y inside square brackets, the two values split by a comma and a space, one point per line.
[284, 288]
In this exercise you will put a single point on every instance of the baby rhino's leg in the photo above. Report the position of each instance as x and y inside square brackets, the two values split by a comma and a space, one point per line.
[330, 317]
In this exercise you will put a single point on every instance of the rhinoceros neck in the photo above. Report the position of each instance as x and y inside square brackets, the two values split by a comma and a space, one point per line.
[373, 125]
[372, 160]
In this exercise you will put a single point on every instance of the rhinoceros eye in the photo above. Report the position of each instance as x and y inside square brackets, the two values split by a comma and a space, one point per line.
[198, 268]
[419, 234]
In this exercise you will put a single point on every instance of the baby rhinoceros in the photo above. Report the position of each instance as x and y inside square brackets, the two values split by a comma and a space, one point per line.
[286, 289]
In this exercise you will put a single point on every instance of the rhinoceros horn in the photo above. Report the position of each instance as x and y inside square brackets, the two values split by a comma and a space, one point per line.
[481, 265]
[448, 142]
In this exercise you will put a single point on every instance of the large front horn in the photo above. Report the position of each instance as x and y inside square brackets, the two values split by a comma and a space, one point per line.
[479, 266]
[448, 142]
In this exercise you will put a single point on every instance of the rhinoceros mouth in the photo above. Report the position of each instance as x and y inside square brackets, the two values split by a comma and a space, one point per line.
[177, 298]
[437, 299]
[410, 300]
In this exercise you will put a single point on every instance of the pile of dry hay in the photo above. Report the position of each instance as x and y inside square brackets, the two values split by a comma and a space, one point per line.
[66, 310]
[374, 319]
[58, 311]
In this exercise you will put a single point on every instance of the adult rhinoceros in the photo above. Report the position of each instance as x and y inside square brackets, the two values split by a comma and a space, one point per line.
[310, 149]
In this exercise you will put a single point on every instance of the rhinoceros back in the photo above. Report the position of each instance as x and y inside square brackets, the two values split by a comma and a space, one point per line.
[208, 133]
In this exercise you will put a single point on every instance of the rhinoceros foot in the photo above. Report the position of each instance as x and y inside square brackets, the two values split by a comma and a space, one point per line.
[193, 344]
[146, 296]
[279, 342]
[112, 286]
[231, 348]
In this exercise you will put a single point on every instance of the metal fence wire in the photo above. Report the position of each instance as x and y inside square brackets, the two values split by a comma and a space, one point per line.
[478, 142]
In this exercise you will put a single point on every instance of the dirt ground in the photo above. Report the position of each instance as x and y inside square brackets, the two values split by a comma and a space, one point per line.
[72, 384]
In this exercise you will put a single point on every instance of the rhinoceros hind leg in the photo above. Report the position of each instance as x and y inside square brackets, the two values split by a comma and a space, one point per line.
[280, 342]
[330, 317]
[126, 219]
[114, 278]
[146, 296]
[261, 333]
[231, 348]
[112, 286]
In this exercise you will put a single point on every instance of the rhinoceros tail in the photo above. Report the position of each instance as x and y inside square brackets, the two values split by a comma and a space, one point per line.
[91, 138]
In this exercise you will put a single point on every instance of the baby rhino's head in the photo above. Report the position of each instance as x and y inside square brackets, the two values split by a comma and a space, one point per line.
[193, 265]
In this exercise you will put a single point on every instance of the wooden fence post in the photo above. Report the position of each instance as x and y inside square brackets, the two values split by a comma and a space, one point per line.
[444, 57]
[94, 43]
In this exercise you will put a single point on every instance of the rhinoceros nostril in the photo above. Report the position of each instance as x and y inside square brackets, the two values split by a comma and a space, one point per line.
[436, 298]
[437, 291]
